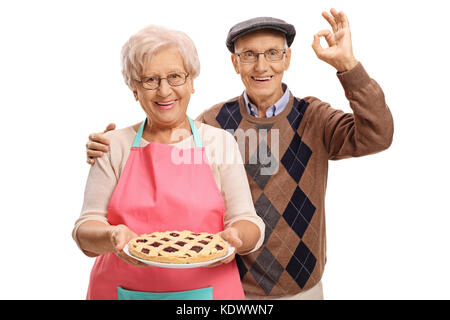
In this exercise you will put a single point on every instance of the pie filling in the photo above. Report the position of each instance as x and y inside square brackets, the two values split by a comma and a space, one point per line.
[178, 246]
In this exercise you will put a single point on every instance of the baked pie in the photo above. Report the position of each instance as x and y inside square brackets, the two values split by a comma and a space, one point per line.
[178, 247]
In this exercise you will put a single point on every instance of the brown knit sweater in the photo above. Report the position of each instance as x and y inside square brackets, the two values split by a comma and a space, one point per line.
[287, 171]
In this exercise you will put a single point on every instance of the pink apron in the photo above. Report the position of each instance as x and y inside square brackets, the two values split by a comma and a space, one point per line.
[156, 193]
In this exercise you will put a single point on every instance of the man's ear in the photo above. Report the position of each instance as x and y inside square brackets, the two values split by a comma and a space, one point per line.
[287, 61]
[235, 63]
[135, 95]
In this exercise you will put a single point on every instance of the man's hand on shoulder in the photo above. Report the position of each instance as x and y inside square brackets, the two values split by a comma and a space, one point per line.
[339, 53]
[98, 144]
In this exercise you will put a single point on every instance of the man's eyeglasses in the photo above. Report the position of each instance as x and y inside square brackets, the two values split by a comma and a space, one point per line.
[154, 81]
[271, 55]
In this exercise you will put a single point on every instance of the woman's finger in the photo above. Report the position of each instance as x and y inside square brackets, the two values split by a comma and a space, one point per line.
[228, 259]
[223, 261]
[215, 264]
[126, 258]
[234, 241]
[120, 236]
[231, 236]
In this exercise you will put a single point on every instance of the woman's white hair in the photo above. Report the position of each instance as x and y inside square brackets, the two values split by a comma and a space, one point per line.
[139, 49]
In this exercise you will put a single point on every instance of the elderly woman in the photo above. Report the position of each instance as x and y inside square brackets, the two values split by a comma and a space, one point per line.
[152, 180]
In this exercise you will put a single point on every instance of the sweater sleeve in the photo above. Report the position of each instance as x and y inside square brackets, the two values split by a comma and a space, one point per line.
[101, 182]
[369, 129]
[99, 187]
[201, 117]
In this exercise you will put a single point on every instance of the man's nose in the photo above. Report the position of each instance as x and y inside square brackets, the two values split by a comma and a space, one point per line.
[261, 63]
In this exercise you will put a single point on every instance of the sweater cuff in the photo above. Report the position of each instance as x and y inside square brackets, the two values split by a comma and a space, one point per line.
[354, 79]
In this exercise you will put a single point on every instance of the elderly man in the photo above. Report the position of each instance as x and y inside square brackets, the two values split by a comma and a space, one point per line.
[287, 166]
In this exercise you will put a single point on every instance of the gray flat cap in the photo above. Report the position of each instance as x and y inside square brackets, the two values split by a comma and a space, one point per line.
[260, 23]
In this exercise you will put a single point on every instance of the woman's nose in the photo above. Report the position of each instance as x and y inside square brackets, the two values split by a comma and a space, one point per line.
[164, 88]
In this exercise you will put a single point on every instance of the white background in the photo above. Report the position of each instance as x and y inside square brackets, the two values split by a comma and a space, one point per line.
[387, 214]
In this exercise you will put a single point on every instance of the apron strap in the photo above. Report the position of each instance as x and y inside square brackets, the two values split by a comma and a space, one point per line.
[196, 135]
[197, 139]
[137, 138]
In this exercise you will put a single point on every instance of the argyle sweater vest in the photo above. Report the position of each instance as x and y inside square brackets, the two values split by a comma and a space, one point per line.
[286, 160]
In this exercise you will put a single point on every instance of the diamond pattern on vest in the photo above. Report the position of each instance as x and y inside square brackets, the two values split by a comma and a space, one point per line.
[285, 263]
[301, 265]
[229, 116]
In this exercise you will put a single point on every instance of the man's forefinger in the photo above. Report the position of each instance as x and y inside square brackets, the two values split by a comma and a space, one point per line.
[110, 127]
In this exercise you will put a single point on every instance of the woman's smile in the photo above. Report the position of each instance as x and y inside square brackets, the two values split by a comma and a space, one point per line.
[165, 105]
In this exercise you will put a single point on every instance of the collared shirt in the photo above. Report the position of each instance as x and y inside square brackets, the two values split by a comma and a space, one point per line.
[273, 110]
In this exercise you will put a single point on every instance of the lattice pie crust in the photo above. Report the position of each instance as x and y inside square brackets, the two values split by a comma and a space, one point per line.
[178, 246]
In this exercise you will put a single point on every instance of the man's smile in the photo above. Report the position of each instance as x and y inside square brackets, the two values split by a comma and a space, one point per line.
[262, 79]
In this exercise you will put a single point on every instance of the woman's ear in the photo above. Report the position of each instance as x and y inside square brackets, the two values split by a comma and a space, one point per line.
[135, 95]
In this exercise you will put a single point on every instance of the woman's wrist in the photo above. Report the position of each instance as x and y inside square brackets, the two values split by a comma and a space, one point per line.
[95, 237]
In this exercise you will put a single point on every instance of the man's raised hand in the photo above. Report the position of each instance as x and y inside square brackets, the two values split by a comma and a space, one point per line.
[339, 53]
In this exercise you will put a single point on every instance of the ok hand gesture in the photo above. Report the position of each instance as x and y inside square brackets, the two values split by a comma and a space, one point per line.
[339, 53]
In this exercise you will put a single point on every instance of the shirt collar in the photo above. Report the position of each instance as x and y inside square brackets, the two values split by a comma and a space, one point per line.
[273, 110]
